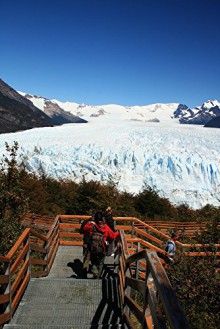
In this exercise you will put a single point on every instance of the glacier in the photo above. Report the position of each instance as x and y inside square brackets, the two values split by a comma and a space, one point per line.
[181, 162]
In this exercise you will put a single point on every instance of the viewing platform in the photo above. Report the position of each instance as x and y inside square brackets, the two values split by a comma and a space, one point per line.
[41, 283]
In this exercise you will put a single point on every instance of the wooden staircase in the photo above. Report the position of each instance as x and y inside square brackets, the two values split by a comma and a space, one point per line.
[41, 286]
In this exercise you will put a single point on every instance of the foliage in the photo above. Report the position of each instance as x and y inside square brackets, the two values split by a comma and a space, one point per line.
[150, 204]
[196, 284]
[13, 203]
[196, 281]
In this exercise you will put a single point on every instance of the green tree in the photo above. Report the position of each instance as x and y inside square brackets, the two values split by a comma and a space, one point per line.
[13, 202]
[148, 203]
[196, 281]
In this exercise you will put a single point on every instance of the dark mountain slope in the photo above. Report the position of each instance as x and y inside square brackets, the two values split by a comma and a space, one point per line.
[213, 123]
[55, 112]
[18, 113]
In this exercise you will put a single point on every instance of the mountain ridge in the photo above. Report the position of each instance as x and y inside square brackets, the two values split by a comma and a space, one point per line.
[19, 113]
[175, 112]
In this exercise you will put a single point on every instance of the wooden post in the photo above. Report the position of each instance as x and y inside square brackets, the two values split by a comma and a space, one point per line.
[29, 255]
[137, 263]
[8, 290]
[132, 233]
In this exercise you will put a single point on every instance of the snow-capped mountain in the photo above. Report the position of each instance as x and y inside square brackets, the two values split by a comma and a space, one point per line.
[113, 112]
[53, 110]
[172, 112]
[200, 115]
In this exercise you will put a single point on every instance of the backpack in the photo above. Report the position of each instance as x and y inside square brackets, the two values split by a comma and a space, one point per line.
[81, 230]
[97, 241]
[170, 248]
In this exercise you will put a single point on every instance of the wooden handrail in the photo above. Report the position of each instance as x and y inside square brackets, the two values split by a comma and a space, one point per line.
[18, 243]
[158, 286]
[19, 259]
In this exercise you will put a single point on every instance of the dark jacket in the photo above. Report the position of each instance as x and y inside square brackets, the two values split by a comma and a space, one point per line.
[110, 221]
[86, 235]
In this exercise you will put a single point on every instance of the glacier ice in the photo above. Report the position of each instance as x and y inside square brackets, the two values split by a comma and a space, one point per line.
[182, 162]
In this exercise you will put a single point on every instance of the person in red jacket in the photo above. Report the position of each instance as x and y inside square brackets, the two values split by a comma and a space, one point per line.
[100, 233]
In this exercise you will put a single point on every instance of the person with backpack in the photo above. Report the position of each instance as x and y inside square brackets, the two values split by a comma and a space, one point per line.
[99, 233]
[110, 222]
[171, 246]
[86, 247]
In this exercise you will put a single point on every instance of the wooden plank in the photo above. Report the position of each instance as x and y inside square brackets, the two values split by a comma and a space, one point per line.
[19, 276]
[4, 259]
[134, 307]
[137, 285]
[128, 321]
[51, 243]
[53, 232]
[201, 253]
[4, 318]
[19, 258]
[147, 235]
[5, 298]
[18, 243]
[70, 235]
[35, 247]
[55, 227]
[39, 274]
[73, 217]
[4, 279]
[134, 240]
[38, 235]
[73, 226]
[124, 244]
[122, 270]
[121, 287]
[152, 247]
[71, 243]
[148, 322]
[37, 261]
[20, 292]
[154, 306]
[52, 256]
[124, 227]
[142, 275]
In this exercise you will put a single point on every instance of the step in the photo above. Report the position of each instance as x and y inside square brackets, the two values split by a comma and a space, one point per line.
[100, 326]
[68, 263]
[69, 303]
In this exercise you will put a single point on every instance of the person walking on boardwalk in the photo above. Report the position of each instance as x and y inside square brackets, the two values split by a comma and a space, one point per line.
[109, 218]
[171, 246]
[99, 233]
[110, 222]
[86, 247]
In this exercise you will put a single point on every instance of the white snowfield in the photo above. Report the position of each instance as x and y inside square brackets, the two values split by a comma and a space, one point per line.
[182, 162]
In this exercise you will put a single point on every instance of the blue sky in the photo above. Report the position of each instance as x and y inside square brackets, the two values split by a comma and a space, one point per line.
[128, 52]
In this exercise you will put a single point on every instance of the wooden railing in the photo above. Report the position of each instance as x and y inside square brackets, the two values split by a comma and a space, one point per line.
[34, 252]
[186, 229]
[31, 256]
[154, 239]
[156, 304]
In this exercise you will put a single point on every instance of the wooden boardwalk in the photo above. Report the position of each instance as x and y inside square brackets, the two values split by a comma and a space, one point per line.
[64, 300]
